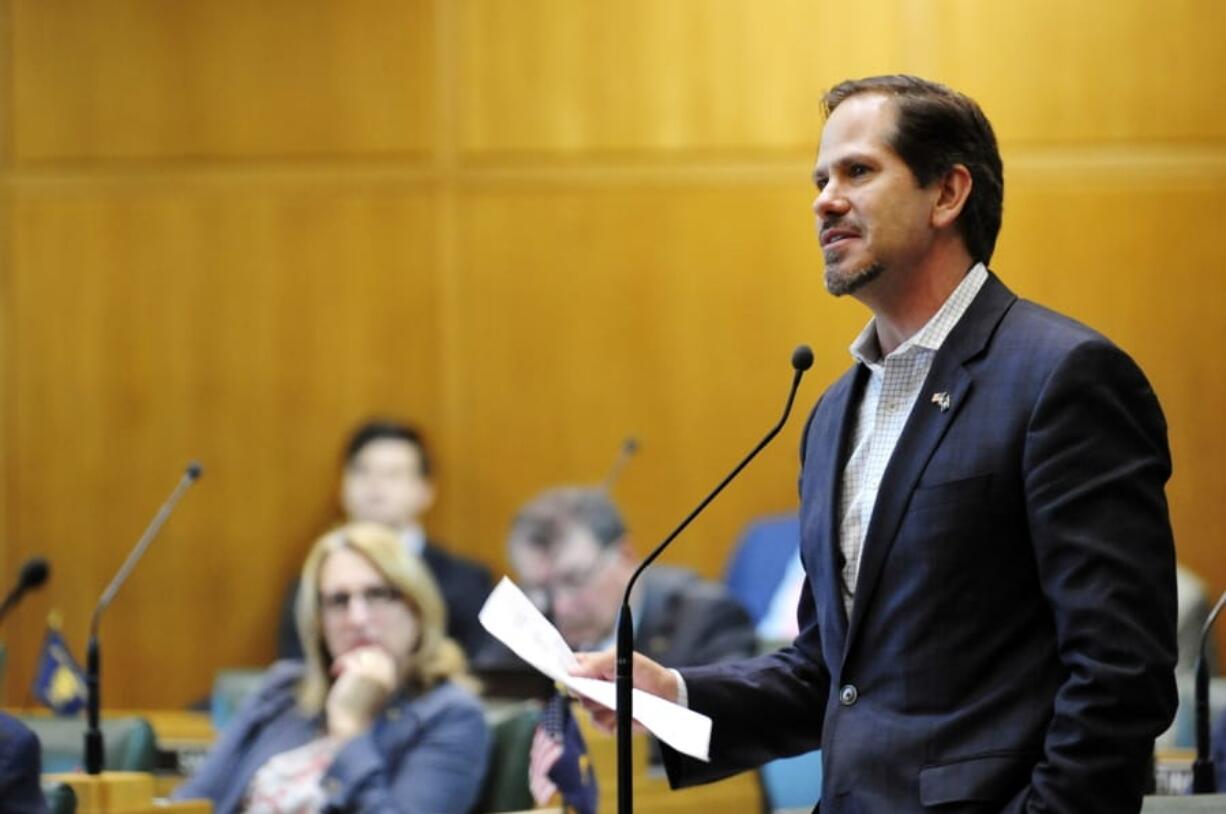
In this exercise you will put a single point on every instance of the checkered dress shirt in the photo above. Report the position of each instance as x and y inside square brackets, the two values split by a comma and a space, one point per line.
[893, 387]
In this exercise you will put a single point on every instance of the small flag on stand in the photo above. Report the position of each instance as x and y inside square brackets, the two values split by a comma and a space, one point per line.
[558, 761]
[59, 683]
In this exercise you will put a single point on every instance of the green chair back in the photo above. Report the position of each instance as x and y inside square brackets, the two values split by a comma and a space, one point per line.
[506, 780]
[231, 687]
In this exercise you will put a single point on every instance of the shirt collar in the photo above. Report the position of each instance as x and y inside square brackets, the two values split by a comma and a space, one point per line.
[865, 349]
[414, 538]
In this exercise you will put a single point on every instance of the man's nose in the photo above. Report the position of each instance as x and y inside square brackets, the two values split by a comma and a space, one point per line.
[829, 201]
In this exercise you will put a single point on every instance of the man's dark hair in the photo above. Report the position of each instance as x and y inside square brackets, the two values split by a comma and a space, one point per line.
[550, 516]
[936, 128]
[380, 429]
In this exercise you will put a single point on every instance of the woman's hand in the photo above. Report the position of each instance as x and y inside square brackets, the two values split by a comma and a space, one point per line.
[365, 678]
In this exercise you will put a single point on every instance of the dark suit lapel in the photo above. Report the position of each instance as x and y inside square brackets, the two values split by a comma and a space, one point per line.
[832, 430]
[948, 383]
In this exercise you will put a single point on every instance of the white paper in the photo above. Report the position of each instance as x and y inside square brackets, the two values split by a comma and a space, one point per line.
[512, 618]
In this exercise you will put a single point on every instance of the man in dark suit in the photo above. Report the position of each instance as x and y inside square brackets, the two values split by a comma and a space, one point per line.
[989, 618]
[572, 553]
[387, 481]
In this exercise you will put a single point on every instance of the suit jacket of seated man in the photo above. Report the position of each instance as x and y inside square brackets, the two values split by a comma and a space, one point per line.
[464, 584]
[1012, 640]
[684, 620]
[20, 768]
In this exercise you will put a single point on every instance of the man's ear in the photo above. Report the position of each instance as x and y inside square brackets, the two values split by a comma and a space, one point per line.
[953, 190]
[427, 495]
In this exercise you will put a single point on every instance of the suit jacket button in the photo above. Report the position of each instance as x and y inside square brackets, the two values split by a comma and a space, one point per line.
[848, 695]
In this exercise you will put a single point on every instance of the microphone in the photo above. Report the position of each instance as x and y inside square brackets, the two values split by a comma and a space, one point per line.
[628, 448]
[32, 575]
[802, 360]
[1203, 780]
[93, 734]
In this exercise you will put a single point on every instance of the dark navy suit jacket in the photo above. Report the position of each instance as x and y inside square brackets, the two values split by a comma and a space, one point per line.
[20, 768]
[1012, 642]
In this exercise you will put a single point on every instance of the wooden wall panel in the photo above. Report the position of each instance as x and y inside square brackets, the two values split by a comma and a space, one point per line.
[6, 226]
[1055, 72]
[546, 76]
[668, 312]
[701, 76]
[154, 79]
[247, 327]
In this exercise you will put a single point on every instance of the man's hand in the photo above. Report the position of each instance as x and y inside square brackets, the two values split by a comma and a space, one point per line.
[646, 675]
[365, 679]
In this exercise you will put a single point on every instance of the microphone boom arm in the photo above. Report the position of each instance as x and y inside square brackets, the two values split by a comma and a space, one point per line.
[770, 436]
[155, 526]
[1203, 779]
[802, 359]
[94, 749]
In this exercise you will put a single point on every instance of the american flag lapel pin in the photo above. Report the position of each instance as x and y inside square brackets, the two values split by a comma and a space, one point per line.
[941, 400]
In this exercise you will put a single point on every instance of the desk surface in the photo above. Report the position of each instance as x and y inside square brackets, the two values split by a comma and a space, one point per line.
[174, 728]
[1202, 804]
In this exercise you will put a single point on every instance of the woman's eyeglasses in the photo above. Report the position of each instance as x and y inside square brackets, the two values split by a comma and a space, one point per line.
[374, 597]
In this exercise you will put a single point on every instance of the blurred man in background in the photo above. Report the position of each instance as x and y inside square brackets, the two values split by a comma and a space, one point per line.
[573, 556]
[386, 480]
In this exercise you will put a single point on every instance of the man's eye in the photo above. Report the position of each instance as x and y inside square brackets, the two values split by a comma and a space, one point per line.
[820, 183]
[857, 170]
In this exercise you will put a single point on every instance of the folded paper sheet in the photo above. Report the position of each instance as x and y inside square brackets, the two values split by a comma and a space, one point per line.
[511, 617]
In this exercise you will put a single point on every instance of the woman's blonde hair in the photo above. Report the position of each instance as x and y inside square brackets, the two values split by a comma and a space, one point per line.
[435, 657]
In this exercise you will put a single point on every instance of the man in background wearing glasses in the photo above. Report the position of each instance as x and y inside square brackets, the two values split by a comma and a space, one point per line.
[573, 556]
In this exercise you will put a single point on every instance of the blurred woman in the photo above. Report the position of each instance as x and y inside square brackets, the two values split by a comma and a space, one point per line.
[377, 717]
